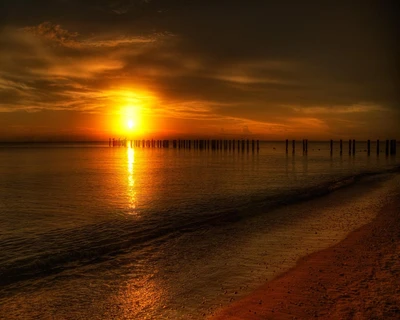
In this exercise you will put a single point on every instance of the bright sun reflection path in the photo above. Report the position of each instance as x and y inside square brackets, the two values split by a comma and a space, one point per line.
[131, 180]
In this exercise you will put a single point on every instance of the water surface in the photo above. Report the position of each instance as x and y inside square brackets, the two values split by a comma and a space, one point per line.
[88, 231]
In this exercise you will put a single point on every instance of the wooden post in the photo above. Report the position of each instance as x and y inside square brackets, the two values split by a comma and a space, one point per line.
[392, 147]
[331, 146]
[354, 147]
[307, 146]
[341, 146]
[369, 147]
[377, 147]
[247, 145]
[287, 145]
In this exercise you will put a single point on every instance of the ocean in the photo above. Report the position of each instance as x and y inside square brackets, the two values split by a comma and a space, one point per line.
[89, 231]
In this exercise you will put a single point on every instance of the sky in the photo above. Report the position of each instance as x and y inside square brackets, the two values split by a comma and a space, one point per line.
[90, 70]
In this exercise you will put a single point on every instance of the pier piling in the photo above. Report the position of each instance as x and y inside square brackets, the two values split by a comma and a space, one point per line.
[393, 145]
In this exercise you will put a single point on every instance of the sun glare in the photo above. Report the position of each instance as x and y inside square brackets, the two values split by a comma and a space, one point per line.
[132, 117]
[132, 112]
[131, 124]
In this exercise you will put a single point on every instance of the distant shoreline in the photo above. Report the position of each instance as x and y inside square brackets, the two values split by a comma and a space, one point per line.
[106, 140]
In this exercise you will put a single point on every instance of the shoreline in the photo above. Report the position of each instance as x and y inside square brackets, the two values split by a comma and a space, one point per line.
[357, 278]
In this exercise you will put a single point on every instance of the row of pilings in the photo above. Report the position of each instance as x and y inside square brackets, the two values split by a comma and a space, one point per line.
[390, 146]
[214, 144]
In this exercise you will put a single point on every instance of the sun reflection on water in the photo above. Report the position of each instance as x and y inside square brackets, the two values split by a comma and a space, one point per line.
[140, 298]
[131, 180]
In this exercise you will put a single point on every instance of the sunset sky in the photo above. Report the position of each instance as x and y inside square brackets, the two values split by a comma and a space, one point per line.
[81, 70]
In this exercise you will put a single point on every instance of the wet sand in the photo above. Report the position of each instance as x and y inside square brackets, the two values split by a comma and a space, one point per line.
[359, 278]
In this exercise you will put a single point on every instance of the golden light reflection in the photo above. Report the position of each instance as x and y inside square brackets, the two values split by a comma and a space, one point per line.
[140, 298]
[131, 180]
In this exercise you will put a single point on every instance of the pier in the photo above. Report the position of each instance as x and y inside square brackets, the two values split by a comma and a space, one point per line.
[253, 146]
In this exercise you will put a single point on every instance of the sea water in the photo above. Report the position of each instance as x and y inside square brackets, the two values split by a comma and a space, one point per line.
[93, 232]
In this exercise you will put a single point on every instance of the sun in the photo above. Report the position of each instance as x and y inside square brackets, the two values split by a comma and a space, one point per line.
[131, 124]
[131, 112]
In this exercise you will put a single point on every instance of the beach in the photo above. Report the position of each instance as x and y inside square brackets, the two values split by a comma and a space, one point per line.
[358, 278]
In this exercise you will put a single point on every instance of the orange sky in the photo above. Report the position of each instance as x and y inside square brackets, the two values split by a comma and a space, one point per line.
[82, 71]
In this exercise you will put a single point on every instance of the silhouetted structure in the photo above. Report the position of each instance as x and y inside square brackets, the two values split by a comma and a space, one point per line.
[241, 145]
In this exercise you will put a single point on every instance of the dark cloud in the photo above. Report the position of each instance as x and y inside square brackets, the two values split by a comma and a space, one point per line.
[267, 63]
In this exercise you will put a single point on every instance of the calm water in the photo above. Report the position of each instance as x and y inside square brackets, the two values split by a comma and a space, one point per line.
[88, 231]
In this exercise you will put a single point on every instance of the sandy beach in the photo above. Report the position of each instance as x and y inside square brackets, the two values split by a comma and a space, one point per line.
[359, 278]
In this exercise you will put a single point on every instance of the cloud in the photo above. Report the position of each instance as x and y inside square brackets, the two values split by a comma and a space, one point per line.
[53, 32]
[332, 110]
[262, 65]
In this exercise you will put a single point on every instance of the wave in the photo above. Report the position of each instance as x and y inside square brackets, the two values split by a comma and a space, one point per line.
[58, 251]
